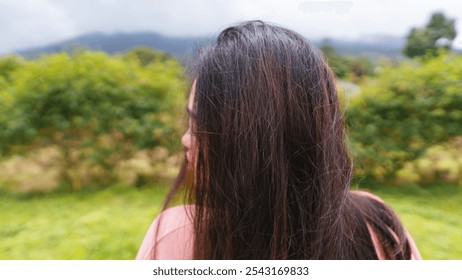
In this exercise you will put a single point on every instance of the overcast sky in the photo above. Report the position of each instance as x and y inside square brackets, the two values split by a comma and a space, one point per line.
[32, 23]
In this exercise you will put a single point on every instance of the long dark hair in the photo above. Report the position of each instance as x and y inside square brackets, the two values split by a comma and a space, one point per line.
[271, 171]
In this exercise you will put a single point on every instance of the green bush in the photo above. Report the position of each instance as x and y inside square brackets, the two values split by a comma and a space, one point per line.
[98, 109]
[348, 67]
[8, 64]
[402, 112]
[441, 163]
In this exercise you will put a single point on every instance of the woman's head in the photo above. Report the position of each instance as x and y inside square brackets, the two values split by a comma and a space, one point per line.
[264, 94]
[269, 152]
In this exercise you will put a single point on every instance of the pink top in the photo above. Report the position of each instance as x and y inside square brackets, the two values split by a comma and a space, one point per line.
[175, 237]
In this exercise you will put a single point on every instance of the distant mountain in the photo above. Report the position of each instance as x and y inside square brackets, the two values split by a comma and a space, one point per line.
[121, 42]
[371, 46]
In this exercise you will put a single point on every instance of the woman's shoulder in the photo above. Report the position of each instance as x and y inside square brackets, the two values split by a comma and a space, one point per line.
[173, 219]
[367, 194]
[170, 235]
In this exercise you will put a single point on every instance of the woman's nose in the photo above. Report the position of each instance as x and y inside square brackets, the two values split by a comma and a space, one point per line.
[186, 139]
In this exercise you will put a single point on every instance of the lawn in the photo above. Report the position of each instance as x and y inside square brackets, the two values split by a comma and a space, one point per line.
[107, 224]
[110, 224]
[433, 216]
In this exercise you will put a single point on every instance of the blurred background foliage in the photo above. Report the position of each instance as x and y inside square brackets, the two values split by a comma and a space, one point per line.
[403, 117]
[82, 117]
[91, 119]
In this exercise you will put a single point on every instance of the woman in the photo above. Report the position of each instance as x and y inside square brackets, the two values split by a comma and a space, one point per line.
[267, 165]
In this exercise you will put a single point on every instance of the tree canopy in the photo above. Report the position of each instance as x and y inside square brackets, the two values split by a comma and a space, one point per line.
[98, 109]
[438, 33]
[404, 111]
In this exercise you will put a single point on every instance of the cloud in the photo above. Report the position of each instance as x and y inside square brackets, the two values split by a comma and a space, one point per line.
[338, 7]
[28, 23]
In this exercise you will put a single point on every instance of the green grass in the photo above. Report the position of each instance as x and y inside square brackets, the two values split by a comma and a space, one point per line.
[432, 215]
[107, 224]
[110, 224]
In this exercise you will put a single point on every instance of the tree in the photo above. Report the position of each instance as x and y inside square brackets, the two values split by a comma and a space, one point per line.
[438, 33]
[337, 62]
[96, 109]
[402, 112]
[146, 55]
[8, 64]
[347, 67]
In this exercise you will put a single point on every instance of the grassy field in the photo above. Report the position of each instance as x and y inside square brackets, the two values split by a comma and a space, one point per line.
[432, 215]
[110, 224]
